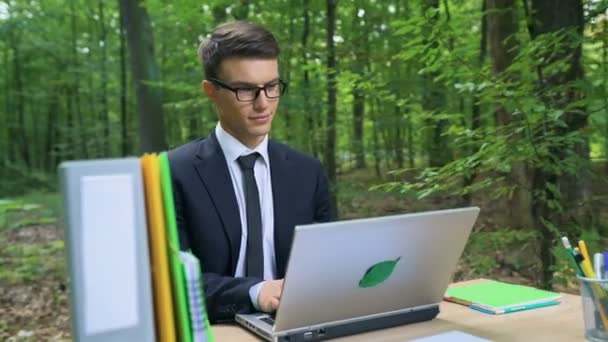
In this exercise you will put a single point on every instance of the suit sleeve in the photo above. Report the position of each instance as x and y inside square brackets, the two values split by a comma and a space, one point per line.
[224, 296]
[227, 296]
[324, 212]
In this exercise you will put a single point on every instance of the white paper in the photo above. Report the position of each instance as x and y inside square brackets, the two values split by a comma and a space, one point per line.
[451, 336]
[109, 253]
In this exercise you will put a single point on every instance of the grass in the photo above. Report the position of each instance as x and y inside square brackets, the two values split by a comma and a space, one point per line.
[28, 252]
[31, 209]
[33, 300]
[30, 262]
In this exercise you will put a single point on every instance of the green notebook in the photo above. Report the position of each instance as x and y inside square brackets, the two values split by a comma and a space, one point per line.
[497, 297]
[177, 273]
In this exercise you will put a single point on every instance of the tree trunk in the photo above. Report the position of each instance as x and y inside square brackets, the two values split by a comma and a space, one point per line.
[51, 126]
[81, 142]
[502, 31]
[376, 141]
[289, 126]
[387, 141]
[21, 132]
[145, 69]
[330, 152]
[605, 79]
[358, 119]
[398, 139]
[8, 154]
[411, 153]
[309, 112]
[89, 132]
[124, 121]
[550, 16]
[360, 44]
[69, 153]
[105, 113]
[476, 107]
[434, 100]
[502, 28]
[194, 126]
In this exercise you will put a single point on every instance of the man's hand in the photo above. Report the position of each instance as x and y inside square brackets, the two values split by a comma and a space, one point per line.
[270, 295]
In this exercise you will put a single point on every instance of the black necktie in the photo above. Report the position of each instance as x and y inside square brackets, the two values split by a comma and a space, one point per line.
[255, 256]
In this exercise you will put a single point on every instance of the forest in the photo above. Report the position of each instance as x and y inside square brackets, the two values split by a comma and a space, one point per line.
[410, 105]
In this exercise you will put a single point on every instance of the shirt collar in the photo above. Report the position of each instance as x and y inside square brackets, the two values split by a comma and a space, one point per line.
[233, 148]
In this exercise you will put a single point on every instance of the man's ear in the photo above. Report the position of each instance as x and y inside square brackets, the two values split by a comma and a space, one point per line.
[209, 89]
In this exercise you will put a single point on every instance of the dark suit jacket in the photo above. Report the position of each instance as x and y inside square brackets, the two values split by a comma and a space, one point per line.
[209, 222]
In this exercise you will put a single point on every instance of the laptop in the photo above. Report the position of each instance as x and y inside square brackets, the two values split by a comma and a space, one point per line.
[353, 276]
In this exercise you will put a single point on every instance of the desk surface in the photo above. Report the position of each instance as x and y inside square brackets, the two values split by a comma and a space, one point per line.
[563, 322]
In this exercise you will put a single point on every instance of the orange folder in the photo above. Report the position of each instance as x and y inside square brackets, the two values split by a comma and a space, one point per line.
[163, 300]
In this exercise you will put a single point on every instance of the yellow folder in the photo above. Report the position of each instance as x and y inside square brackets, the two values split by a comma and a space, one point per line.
[163, 300]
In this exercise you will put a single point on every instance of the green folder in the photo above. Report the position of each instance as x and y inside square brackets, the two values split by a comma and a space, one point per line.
[177, 274]
[498, 297]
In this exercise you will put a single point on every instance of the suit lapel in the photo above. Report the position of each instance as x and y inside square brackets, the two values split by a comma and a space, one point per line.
[213, 170]
[283, 234]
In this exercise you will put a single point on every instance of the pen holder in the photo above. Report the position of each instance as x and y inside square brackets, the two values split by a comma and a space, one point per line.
[595, 308]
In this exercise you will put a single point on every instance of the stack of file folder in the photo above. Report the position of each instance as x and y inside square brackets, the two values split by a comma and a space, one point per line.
[179, 306]
[494, 297]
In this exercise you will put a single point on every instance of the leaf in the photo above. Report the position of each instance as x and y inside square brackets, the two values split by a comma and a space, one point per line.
[9, 205]
[29, 221]
[28, 207]
[378, 273]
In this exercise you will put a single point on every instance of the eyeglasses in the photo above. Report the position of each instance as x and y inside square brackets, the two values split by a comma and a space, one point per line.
[247, 94]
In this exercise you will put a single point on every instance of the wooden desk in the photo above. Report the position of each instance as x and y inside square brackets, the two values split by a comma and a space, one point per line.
[563, 322]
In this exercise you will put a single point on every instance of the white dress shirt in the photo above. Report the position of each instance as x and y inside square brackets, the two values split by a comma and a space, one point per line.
[233, 149]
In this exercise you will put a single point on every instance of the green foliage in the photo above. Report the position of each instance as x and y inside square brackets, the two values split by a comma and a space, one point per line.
[534, 135]
[24, 263]
[16, 213]
[17, 180]
[25, 254]
[481, 257]
[420, 72]
[540, 127]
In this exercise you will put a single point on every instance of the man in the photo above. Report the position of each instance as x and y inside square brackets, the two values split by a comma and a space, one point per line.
[238, 194]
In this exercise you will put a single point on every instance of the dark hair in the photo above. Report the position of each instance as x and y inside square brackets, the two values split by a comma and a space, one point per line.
[236, 39]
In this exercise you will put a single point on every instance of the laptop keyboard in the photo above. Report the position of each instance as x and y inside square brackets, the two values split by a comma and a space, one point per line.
[267, 319]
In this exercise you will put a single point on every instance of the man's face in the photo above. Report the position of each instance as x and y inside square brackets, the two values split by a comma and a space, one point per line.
[248, 121]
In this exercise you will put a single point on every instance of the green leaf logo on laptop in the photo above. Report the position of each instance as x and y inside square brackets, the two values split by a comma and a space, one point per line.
[378, 273]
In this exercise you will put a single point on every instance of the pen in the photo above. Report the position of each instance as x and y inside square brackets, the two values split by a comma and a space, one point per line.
[604, 269]
[585, 264]
[574, 256]
[605, 263]
[514, 309]
[583, 248]
[530, 306]
[587, 269]
[598, 262]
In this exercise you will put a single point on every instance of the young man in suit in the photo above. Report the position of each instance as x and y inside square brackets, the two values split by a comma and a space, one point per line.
[239, 194]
